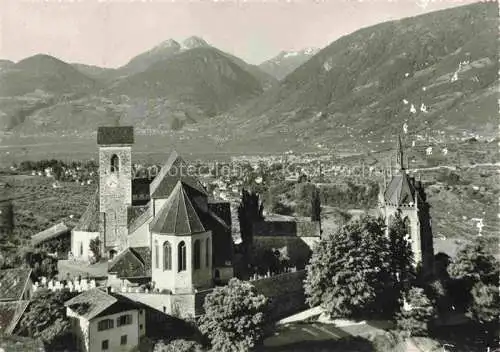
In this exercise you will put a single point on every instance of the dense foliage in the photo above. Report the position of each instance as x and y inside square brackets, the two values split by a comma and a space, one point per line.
[177, 346]
[476, 274]
[349, 274]
[235, 317]
[45, 318]
[416, 314]
[250, 211]
[95, 248]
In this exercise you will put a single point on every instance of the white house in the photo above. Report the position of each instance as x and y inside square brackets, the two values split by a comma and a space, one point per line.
[105, 321]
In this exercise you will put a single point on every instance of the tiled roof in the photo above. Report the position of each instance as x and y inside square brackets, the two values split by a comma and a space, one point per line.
[95, 302]
[133, 212]
[115, 135]
[10, 313]
[13, 283]
[90, 219]
[141, 219]
[132, 263]
[177, 216]
[20, 344]
[50, 233]
[400, 190]
[175, 169]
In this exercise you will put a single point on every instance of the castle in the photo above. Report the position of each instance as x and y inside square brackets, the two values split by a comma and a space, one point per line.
[403, 193]
[179, 242]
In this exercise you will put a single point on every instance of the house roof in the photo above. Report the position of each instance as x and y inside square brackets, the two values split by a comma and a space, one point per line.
[95, 303]
[115, 135]
[177, 216]
[174, 170]
[90, 219]
[400, 190]
[10, 313]
[13, 283]
[135, 223]
[132, 263]
[51, 232]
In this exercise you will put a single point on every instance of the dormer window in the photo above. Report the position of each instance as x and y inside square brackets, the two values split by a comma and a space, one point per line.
[115, 163]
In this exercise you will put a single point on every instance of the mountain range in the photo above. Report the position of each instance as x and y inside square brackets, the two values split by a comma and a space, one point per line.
[436, 72]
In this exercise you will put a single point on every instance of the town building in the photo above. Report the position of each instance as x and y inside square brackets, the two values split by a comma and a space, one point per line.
[178, 243]
[407, 195]
[105, 321]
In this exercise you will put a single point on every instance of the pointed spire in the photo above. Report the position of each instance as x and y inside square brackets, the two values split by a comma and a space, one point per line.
[400, 154]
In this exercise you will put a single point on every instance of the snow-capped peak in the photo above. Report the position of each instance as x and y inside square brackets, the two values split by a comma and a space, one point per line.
[194, 42]
[169, 43]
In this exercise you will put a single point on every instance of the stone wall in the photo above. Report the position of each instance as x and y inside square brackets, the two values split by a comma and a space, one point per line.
[285, 293]
[286, 228]
[297, 249]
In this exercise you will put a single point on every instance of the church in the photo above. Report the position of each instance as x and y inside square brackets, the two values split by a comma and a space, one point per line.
[178, 241]
[405, 194]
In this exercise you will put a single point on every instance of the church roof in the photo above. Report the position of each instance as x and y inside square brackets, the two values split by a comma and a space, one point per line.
[50, 233]
[90, 219]
[133, 262]
[400, 190]
[115, 135]
[174, 170]
[177, 216]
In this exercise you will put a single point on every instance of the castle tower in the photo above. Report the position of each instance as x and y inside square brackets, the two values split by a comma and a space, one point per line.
[404, 194]
[181, 247]
[115, 185]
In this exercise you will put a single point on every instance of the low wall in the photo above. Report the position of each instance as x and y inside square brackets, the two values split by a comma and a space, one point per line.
[297, 249]
[285, 293]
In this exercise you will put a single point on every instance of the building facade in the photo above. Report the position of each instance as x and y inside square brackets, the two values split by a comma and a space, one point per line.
[406, 195]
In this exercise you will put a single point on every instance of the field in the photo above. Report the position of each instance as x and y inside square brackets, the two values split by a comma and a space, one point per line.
[37, 205]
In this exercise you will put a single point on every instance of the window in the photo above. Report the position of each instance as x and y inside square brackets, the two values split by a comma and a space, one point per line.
[197, 254]
[167, 256]
[115, 163]
[140, 326]
[105, 324]
[207, 252]
[105, 345]
[81, 248]
[157, 255]
[124, 320]
[181, 256]
[123, 340]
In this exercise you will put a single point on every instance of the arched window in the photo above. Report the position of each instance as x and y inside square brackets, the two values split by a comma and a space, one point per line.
[408, 225]
[181, 256]
[81, 248]
[207, 252]
[115, 163]
[157, 255]
[197, 255]
[167, 256]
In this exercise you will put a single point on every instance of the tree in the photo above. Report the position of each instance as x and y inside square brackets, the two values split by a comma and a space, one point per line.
[485, 310]
[179, 345]
[416, 314]
[316, 208]
[401, 259]
[95, 248]
[45, 318]
[235, 317]
[250, 211]
[474, 264]
[349, 272]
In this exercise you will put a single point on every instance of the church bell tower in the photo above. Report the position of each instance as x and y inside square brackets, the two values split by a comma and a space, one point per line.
[115, 186]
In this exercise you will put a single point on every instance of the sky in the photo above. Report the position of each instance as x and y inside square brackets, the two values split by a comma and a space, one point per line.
[109, 33]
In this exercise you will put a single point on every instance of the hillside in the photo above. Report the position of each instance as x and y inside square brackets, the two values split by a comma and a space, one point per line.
[164, 88]
[286, 62]
[437, 72]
